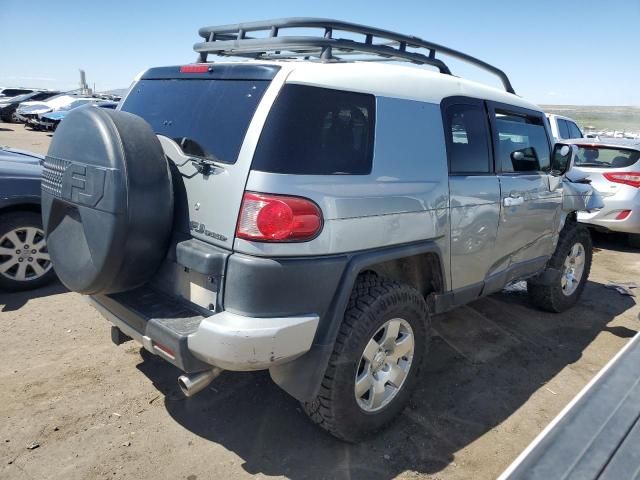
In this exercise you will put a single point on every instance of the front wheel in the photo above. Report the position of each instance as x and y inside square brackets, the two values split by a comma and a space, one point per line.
[572, 262]
[376, 360]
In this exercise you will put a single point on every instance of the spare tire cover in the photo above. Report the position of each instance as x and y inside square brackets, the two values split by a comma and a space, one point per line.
[107, 201]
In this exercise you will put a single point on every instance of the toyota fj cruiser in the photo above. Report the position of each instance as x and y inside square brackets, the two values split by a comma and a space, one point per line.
[306, 211]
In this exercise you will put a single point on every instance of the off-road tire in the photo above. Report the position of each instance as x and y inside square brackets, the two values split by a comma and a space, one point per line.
[12, 221]
[633, 239]
[374, 300]
[550, 297]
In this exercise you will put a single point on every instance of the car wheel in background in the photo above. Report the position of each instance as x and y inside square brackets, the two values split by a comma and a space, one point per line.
[24, 259]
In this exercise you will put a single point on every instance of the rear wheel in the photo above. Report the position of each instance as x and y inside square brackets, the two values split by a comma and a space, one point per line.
[24, 258]
[634, 240]
[376, 360]
[572, 262]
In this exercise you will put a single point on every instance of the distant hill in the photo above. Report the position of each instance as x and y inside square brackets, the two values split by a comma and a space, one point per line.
[601, 118]
[117, 91]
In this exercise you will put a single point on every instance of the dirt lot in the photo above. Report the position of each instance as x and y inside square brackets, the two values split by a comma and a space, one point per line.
[498, 372]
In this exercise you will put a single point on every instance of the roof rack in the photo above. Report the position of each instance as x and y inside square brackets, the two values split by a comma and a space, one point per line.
[380, 45]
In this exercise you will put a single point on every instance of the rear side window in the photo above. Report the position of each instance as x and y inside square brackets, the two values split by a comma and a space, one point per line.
[522, 142]
[605, 157]
[207, 118]
[317, 131]
[467, 139]
[574, 131]
[563, 128]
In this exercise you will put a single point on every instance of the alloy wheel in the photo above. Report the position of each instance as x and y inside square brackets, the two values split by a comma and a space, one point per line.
[573, 269]
[23, 254]
[384, 365]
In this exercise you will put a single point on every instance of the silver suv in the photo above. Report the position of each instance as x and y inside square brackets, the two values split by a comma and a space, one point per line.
[306, 211]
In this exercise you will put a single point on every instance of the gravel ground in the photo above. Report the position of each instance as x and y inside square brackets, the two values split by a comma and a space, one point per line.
[498, 372]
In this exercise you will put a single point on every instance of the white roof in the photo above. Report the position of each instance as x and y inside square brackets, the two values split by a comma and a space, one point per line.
[392, 80]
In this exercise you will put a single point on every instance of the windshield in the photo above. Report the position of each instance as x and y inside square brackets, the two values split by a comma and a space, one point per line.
[22, 98]
[605, 157]
[207, 118]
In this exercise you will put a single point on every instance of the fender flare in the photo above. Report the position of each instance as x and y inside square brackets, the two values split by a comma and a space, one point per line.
[301, 377]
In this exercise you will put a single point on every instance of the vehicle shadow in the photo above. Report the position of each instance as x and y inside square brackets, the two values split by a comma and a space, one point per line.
[12, 301]
[464, 393]
[611, 241]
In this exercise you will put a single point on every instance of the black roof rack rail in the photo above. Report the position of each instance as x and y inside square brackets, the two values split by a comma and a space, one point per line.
[233, 40]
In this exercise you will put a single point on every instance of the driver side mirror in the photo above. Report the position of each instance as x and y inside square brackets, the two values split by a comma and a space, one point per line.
[562, 158]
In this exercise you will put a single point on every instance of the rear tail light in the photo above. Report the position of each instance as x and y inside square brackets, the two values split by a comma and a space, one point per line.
[623, 214]
[628, 178]
[195, 68]
[278, 218]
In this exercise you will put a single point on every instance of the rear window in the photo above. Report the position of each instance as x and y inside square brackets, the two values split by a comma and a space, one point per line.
[207, 118]
[605, 157]
[317, 131]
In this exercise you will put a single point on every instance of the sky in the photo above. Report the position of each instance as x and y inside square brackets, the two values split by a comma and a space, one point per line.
[582, 53]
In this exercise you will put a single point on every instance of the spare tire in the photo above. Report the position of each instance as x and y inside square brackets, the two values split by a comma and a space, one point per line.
[107, 201]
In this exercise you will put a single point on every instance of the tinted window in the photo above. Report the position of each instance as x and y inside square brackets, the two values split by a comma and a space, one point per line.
[12, 92]
[605, 157]
[574, 131]
[43, 95]
[522, 143]
[563, 128]
[317, 131]
[208, 118]
[467, 144]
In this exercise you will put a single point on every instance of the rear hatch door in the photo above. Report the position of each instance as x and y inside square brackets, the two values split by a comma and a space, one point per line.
[202, 114]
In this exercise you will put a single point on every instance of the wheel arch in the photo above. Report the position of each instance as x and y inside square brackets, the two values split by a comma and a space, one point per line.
[301, 377]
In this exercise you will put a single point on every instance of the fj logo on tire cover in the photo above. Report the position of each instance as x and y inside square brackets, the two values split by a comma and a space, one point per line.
[83, 184]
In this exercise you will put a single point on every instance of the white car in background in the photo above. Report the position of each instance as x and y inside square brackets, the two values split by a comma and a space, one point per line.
[613, 167]
[563, 128]
[54, 103]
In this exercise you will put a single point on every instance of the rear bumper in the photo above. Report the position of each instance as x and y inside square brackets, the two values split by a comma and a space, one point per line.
[193, 342]
[626, 198]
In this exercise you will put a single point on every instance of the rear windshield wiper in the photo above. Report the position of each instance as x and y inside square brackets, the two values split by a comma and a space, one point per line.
[202, 160]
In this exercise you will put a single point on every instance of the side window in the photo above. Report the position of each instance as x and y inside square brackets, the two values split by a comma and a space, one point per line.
[522, 144]
[318, 131]
[563, 128]
[467, 139]
[574, 131]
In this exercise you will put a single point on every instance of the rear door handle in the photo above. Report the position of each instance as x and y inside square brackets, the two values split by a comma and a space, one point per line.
[512, 201]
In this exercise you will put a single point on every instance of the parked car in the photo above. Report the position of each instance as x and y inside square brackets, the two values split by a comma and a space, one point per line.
[51, 120]
[9, 106]
[29, 110]
[613, 167]
[309, 217]
[33, 117]
[24, 259]
[563, 127]
[12, 92]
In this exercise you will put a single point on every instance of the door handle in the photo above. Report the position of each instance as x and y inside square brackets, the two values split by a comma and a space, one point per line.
[512, 201]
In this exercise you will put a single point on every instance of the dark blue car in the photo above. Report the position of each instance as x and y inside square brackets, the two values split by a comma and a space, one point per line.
[24, 259]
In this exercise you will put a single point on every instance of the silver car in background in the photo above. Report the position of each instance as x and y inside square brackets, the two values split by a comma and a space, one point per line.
[613, 167]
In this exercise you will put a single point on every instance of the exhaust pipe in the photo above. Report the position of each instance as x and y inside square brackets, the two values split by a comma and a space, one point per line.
[196, 382]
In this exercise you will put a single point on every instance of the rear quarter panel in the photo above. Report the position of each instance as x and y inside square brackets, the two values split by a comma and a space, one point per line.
[404, 199]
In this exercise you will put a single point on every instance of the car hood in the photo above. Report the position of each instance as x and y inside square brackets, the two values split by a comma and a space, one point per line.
[59, 115]
[19, 163]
